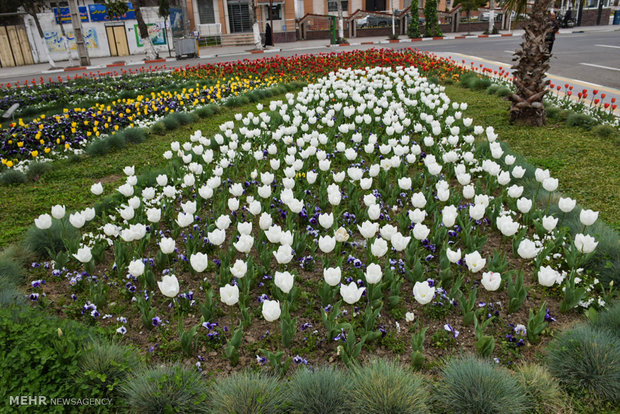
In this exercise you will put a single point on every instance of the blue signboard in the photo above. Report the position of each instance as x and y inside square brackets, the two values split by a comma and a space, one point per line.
[64, 14]
[176, 21]
[98, 13]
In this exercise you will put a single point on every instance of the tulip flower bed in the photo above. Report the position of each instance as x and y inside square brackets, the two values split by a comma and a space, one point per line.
[366, 215]
[47, 137]
[71, 91]
[313, 66]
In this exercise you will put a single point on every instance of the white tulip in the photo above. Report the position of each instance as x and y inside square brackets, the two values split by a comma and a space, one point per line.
[588, 217]
[351, 293]
[43, 222]
[453, 256]
[547, 276]
[167, 245]
[96, 189]
[420, 231]
[244, 244]
[77, 220]
[326, 220]
[527, 249]
[284, 254]
[524, 205]
[327, 244]
[567, 204]
[58, 211]
[199, 262]
[491, 281]
[239, 269]
[585, 243]
[271, 310]
[475, 262]
[229, 294]
[169, 286]
[284, 281]
[373, 273]
[423, 292]
[379, 248]
[83, 254]
[332, 275]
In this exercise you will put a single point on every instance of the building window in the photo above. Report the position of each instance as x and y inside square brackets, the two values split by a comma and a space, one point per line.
[276, 12]
[206, 12]
[593, 4]
[332, 6]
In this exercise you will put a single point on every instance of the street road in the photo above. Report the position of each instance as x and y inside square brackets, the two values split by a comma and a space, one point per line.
[590, 57]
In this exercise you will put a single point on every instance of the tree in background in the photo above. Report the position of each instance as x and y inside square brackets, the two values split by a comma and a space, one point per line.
[532, 63]
[413, 31]
[468, 6]
[151, 53]
[432, 20]
[115, 9]
[340, 22]
[164, 12]
[32, 7]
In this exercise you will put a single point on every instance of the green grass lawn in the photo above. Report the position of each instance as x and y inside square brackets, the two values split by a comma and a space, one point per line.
[586, 165]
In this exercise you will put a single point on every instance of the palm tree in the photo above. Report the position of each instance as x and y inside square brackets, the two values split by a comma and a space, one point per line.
[532, 64]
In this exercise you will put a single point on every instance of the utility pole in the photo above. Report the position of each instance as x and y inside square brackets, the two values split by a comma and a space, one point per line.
[79, 35]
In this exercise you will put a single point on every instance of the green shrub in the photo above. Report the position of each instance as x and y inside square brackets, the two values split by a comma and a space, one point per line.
[472, 385]
[135, 135]
[232, 102]
[104, 366]
[542, 390]
[11, 296]
[503, 91]
[11, 273]
[468, 80]
[9, 177]
[204, 112]
[165, 389]
[37, 169]
[481, 83]
[171, 122]
[185, 118]
[38, 241]
[247, 393]
[608, 320]
[158, 128]
[580, 119]
[243, 100]
[386, 387]
[40, 356]
[607, 132]
[552, 111]
[492, 89]
[117, 141]
[98, 148]
[215, 107]
[322, 391]
[588, 359]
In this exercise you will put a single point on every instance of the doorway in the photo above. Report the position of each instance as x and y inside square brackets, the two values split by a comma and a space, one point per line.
[117, 40]
[239, 16]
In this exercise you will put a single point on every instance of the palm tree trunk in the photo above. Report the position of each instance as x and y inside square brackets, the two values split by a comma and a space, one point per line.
[529, 71]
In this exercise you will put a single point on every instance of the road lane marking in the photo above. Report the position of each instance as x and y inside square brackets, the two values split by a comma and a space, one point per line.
[615, 47]
[549, 75]
[600, 66]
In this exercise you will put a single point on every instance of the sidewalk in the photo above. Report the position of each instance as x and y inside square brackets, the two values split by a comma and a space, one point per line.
[44, 69]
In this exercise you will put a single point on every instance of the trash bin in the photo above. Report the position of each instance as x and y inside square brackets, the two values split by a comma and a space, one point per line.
[185, 47]
[617, 17]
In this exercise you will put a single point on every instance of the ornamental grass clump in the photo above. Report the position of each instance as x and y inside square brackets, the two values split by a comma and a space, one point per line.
[40, 242]
[135, 135]
[105, 365]
[247, 393]
[9, 177]
[472, 385]
[587, 359]
[386, 387]
[37, 169]
[609, 320]
[172, 388]
[543, 391]
[170, 122]
[322, 391]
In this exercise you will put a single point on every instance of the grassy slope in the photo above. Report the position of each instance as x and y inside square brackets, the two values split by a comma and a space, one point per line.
[585, 164]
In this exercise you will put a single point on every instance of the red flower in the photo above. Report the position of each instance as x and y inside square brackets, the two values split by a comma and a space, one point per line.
[596, 101]
[606, 105]
[595, 91]
[603, 96]
[569, 93]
